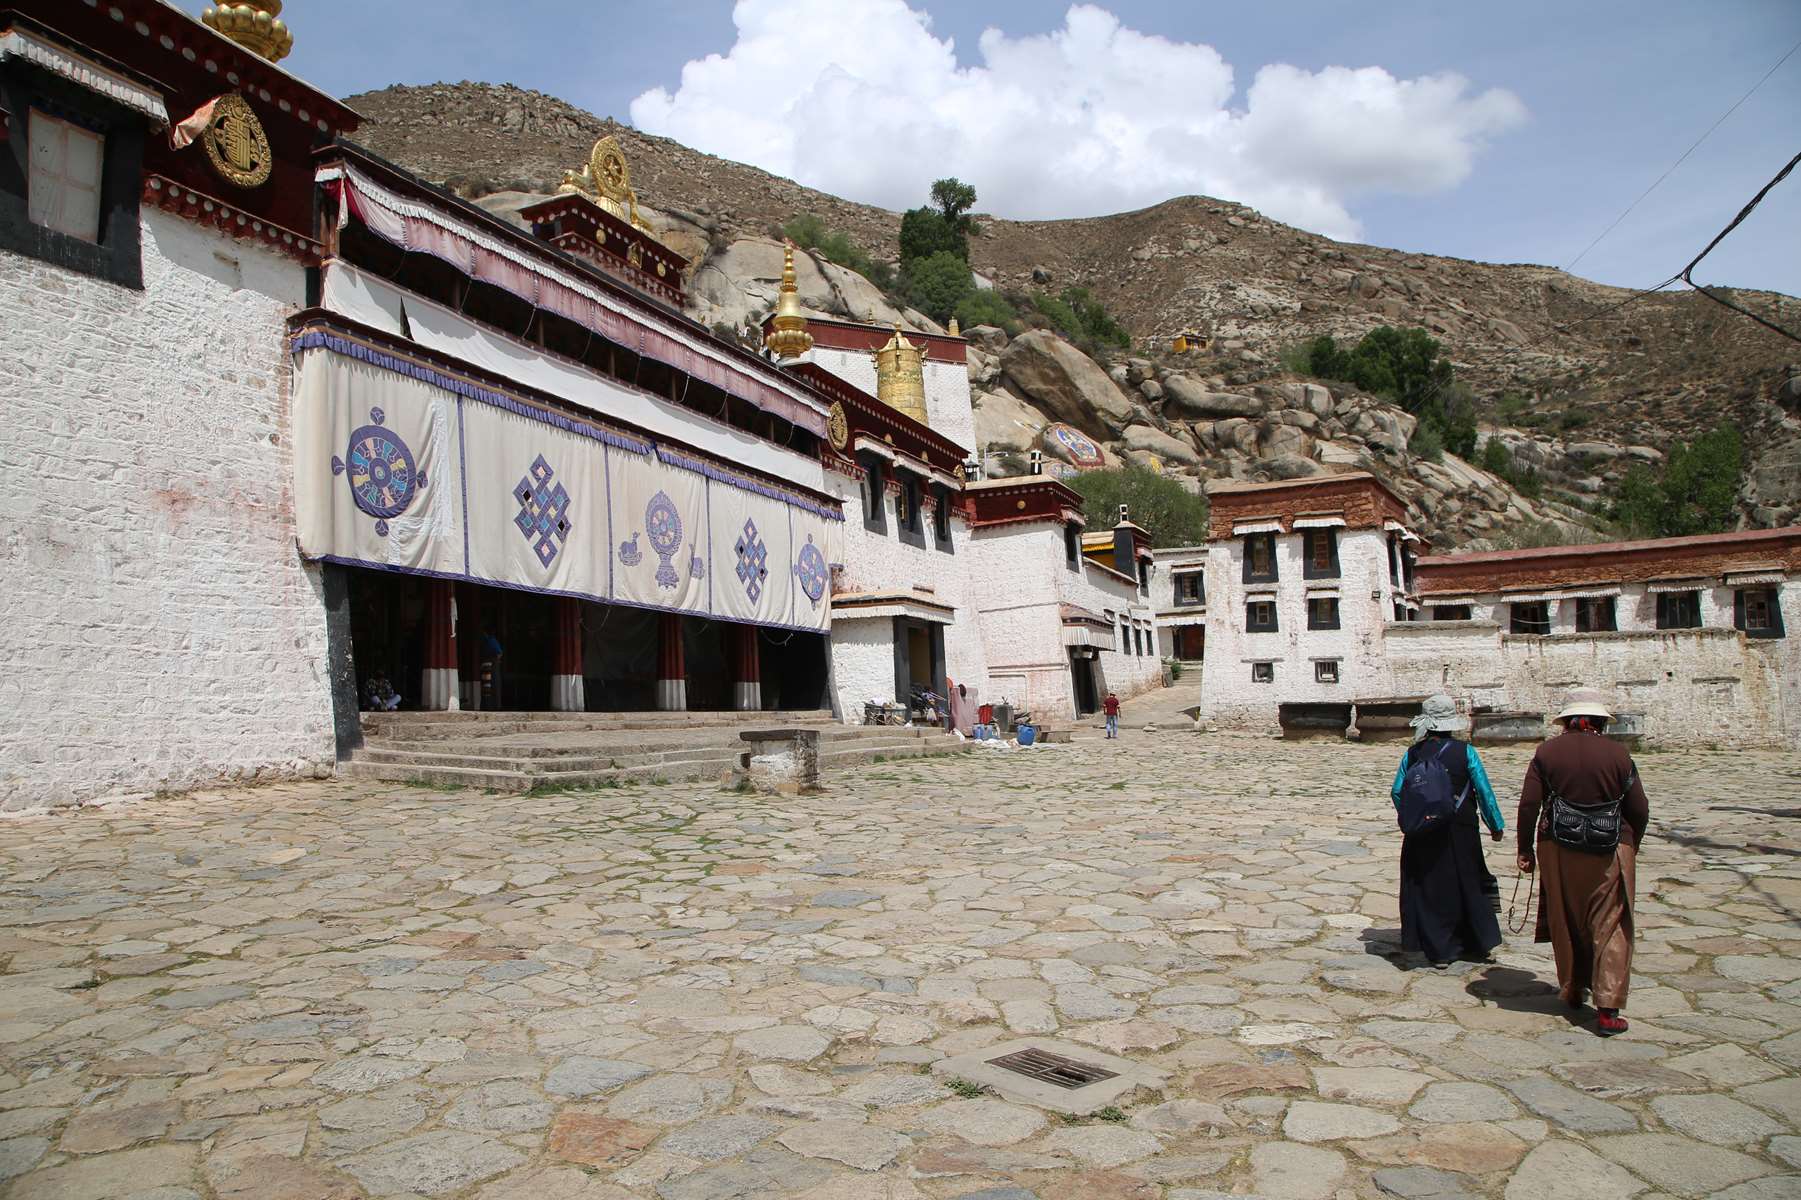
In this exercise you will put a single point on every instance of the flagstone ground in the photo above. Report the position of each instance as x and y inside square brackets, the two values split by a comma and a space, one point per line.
[336, 990]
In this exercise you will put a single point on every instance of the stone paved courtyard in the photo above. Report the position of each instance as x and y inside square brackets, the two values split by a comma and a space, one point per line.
[324, 991]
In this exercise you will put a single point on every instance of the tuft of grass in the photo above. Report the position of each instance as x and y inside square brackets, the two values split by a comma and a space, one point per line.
[966, 1089]
[1111, 1114]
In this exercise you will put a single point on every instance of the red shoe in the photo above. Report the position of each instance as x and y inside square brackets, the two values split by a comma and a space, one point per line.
[1610, 1022]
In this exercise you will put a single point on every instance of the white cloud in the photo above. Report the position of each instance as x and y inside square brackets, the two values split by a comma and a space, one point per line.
[858, 98]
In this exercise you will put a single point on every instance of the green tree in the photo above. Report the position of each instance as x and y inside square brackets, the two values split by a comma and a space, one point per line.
[924, 232]
[938, 283]
[954, 199]
[1496, 458]
[1405, 366]
[1697, 491]
[1169, 512]
[1078, 316]
[986, 308]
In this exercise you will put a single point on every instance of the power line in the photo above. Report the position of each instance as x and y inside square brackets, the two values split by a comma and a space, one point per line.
[1688, 278]
[1672, 168]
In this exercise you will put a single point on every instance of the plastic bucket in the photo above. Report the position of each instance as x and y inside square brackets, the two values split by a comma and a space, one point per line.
[1027, 735]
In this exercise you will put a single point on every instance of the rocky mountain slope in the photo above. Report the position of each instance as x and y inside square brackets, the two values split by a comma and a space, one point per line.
[1579, 381]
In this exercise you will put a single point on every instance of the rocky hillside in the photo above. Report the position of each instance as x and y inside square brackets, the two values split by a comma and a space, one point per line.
[1578, 385]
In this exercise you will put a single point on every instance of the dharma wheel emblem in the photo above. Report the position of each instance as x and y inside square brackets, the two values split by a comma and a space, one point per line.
[236, 143]
[836, 427]
[382, 475]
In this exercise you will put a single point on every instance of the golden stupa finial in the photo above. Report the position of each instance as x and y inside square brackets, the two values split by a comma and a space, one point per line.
[606, 180]
[900, 381]
[254, 25]
[788, 336]
[953, 330]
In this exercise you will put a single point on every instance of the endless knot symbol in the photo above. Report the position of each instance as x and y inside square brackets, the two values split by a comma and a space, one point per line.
[753, 561]
[543, 511]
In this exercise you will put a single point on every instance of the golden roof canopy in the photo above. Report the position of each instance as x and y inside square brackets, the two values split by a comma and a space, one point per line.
[607, 180]
[788, 336]
[900, 377]
[254, 25]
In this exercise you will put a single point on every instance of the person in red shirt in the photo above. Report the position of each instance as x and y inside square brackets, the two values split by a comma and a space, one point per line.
[1111, 707]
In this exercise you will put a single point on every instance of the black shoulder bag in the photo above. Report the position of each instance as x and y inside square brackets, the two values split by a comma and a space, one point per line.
[1592, 828]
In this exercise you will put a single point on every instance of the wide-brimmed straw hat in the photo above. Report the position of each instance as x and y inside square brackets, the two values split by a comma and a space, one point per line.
[1438, 714]
[1585, 702]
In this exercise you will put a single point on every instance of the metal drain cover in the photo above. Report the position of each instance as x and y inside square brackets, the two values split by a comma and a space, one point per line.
[1061, 1076]
[1053, 1069]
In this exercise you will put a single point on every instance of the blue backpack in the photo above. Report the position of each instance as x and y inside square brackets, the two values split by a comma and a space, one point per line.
[1427, 800]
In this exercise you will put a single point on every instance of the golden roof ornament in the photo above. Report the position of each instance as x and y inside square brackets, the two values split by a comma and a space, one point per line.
[900, 377]
[607, 181]
[254, 25]
[953, 330]
[788, 336]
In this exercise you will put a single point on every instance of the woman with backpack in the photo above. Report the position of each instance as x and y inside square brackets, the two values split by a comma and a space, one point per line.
[1446, 913]
[1583, 814]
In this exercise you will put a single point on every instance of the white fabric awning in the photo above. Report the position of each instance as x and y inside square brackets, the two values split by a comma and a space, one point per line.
[17, 43]
[1245, 527]
[412, 225]
[1555, 594]
[374, 302]
[1319, 522]
[1752, 578]
[1678, 585]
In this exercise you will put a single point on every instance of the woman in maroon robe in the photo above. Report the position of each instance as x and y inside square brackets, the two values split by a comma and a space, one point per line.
[1585, 902]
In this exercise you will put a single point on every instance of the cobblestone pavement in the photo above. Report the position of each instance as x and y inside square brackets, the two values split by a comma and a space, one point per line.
[324, 991]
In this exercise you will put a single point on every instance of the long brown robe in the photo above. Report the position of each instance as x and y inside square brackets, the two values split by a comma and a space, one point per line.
[1585, 899]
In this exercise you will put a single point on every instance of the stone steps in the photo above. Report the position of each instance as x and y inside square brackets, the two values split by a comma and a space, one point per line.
[498, 762]
[420, 726]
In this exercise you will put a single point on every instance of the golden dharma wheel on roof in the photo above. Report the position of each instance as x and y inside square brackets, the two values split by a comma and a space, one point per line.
[900, 377]
[254, 25]
[606, 180]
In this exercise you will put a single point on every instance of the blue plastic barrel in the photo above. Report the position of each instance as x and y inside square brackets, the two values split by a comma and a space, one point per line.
[1027, 735]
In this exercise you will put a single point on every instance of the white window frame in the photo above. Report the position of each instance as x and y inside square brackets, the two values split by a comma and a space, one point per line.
[49, 191]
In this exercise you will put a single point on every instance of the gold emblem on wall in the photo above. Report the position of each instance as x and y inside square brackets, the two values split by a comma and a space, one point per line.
[836, 427]
[236, 143]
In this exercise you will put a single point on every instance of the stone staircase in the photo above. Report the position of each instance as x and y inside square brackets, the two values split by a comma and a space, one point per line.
[520, 752]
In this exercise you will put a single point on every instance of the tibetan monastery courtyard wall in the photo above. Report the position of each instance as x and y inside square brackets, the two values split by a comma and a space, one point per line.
[160, 629]
[1682, 687]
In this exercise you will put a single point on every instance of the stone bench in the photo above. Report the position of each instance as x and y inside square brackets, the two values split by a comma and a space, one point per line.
[781, 761]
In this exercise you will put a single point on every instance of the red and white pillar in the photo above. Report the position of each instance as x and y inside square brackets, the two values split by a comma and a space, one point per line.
[438, 681]
[567, 692]
[747, 670]
[672, 668]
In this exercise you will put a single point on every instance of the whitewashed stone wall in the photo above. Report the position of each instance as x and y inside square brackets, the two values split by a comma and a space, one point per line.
[1366, 596]
[949, 409]
[882, 562]
[1169, 615]
[1708, 686]
[161, 631]
[1024, 580]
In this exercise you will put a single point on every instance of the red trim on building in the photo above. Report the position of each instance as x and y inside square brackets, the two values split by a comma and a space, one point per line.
[1706, 555]
[868, 417]
[867, 339]
[208, 209]
[1362, 499]
[571, 223]
[1032, 498]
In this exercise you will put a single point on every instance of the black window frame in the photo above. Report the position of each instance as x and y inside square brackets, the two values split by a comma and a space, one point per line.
[1520, 623]
[1252, 625]
[1321, 664]
[1185, 597]
[1314, 621]
[1268, 540]
[116, 255]
[1452, 612]
[941, 517]
[1679, 610]
[908, 519]
[875, 492]
[1311, 540]
[1267, 668]
[1072, 546]
[1741, 611]
[1588, 608]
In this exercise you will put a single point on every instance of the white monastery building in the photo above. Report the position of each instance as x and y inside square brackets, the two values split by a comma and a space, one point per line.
[288, 432]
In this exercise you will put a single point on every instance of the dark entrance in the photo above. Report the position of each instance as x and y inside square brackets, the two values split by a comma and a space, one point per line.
[1191, 642]
[918, 658]
[1085, 675]
[506, 650]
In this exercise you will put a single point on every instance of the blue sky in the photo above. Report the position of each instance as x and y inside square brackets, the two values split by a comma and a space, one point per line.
[1564, 112]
